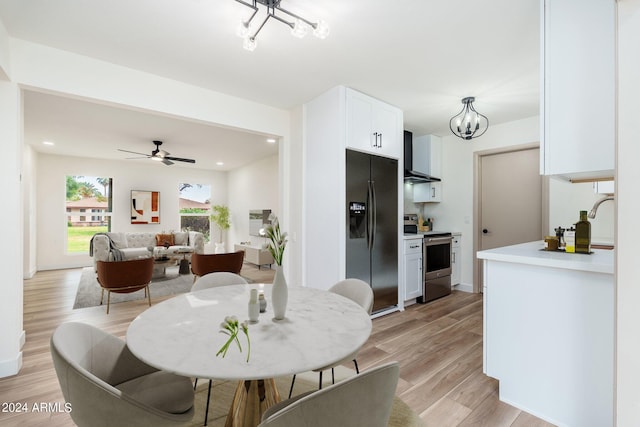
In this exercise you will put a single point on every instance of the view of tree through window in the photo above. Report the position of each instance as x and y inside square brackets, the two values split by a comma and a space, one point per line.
[89, 202]
[195, 208]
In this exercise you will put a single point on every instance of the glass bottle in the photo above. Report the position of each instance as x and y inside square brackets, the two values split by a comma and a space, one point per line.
[583, 234]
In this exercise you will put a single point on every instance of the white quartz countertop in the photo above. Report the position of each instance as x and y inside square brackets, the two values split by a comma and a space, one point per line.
[533, 253]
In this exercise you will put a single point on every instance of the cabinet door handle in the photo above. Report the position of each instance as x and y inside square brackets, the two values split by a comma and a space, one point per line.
[374, 143]
[433, 192]
[454, 258]
[380, 143]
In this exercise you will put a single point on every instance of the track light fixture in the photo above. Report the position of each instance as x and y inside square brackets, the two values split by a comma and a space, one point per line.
[468, 123]
[299, 26]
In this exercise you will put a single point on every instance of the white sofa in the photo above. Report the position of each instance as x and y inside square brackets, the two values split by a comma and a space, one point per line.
[141, 245]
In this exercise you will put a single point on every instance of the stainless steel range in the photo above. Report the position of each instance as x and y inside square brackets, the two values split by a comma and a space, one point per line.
[436, 260]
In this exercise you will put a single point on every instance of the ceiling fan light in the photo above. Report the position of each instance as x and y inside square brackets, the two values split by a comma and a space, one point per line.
[299, 29]
[157, 158]
[321, 30]
[249, 44]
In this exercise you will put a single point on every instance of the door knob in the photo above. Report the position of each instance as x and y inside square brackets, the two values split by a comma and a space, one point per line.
[485, 231]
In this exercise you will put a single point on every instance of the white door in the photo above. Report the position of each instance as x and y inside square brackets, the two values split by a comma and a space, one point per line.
[510, 208]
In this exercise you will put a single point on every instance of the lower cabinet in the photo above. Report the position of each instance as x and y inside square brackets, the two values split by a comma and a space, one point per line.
[412, 268]
[255, 254]
[456, 261]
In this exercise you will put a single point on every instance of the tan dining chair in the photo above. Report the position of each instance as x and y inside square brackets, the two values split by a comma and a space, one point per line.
[212, 280]
[124, 277]
[202, 264]
[362, 400]
[359, 292]
[107, 386]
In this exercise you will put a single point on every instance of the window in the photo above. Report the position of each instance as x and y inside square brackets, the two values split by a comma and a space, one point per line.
[87, 194]
[195, 208]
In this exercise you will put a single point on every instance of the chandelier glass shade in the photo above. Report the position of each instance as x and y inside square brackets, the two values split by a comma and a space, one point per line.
[299, 25]
[468, 123]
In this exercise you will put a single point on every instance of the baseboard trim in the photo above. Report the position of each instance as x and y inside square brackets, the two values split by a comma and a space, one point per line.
[11, 367]
[463, 287]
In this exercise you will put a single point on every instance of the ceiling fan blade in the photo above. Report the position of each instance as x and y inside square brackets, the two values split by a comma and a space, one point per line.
[167, 162]
[180, 159]
[134, 152]
[133, 158]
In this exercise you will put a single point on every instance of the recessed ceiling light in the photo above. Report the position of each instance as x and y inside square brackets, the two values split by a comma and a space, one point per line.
[220, 163]
[48, 143]
[271, 140]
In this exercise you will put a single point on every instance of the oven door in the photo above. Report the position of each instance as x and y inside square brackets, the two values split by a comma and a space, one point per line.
[437, 257]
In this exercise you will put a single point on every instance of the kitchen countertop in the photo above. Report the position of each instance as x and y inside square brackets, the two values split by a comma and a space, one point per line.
[532, 253]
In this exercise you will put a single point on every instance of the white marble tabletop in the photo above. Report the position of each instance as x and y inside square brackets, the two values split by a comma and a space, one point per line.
[181, 335]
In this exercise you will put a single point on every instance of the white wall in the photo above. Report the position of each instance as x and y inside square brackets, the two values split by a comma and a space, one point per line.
[628, 207]
[254, 186]
[51, 217]
[29, 175]
[11, 332]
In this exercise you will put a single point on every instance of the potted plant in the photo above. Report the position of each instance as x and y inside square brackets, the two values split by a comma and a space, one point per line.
[220, 218]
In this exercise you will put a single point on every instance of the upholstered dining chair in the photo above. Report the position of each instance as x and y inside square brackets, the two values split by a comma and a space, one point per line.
[359, 292]
[124, 277]
[202, 264]
[211, 280]
[362, 400]
[107, 385]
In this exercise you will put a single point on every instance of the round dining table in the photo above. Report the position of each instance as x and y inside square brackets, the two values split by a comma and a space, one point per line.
[182, 335]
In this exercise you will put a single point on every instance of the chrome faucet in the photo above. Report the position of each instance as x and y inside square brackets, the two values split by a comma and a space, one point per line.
[594, 209]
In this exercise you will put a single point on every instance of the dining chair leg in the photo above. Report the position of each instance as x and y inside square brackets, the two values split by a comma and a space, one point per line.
[101, 295]
[148, 292]
[293, 380]
[355, 362]
[195, 384]
[320, 385]
[108, 300]
[206, 413]
[333, 377]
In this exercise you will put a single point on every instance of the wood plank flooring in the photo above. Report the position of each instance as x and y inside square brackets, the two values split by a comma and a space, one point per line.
[438, 345]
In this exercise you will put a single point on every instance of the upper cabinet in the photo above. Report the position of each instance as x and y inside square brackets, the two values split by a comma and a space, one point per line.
[373, 126]
[427, 155]
[578, 88]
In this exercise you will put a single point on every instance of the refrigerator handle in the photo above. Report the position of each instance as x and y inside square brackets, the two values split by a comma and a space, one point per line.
[374, 214]
[369, 215]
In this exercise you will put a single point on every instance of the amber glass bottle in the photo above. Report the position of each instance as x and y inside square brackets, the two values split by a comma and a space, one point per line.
[583, 234]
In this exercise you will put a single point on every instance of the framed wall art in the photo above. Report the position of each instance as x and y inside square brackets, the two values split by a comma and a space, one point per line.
[145, 207]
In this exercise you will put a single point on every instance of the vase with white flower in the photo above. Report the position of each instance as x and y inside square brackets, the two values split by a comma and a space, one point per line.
[277, 243]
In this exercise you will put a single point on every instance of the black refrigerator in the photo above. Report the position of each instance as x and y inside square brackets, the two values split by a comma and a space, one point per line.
[372, 225]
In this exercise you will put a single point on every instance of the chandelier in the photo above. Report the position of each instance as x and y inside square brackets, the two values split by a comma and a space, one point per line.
[468, 123]
[299, 26]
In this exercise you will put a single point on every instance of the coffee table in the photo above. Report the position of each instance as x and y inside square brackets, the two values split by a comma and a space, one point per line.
[160, 266]
[184, 262]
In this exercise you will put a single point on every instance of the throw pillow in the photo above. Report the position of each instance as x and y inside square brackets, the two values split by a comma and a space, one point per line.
[164, 240]
[181, 238]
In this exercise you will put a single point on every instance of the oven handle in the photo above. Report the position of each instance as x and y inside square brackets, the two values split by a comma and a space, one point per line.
[436, 240]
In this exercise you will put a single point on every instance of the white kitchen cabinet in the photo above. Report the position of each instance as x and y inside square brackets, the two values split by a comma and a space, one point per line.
[604, 187]
[578, 88]
[427, 155]
[427, 192]
[412, 268]
[456, 262]
[323, 179]
[373, 126]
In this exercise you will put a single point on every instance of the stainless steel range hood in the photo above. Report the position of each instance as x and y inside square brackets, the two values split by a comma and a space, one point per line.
[411, 175]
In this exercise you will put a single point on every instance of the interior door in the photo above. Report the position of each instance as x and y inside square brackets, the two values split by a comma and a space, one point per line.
[509, 200]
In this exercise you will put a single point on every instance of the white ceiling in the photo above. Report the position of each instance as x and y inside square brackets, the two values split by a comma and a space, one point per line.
[420, 55]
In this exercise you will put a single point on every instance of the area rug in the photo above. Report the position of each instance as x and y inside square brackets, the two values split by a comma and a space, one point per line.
[89, 289]
[222, 395]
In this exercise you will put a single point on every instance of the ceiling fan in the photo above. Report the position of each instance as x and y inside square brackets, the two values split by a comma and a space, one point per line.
[159, 155]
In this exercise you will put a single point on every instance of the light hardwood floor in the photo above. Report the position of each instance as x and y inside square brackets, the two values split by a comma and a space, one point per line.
[438, 345]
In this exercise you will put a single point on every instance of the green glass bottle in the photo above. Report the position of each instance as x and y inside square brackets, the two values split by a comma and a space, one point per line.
[583, 234]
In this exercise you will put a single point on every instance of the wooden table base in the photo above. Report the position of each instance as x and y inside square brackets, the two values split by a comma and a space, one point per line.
[251, 399]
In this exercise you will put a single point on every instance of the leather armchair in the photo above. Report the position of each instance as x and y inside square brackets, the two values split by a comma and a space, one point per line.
[202, 264]
[124, 277]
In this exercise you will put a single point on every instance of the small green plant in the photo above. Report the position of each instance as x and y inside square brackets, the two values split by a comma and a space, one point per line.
[232, 327]
[277, 239]
[220, 218]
